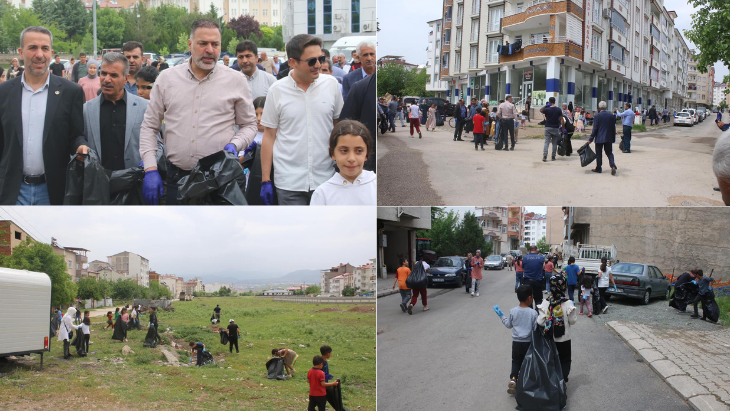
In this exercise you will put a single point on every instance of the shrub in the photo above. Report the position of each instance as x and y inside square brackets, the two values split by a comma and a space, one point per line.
[639, 127]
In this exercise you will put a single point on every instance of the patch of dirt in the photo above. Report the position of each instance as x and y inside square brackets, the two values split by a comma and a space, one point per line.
[689, 201]
[56, 402]
[216, 329]
[331, 309]
[363, 309]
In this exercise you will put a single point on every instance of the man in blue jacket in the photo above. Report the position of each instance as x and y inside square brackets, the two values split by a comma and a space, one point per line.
[628, 123]
[460, 114]
[533, 263]
[604, 133]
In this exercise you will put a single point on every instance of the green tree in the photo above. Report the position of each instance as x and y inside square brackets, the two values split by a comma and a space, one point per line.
[39, 257]
[44, 9]
[88, 289]
[393, 78]
[71, 16]
[416, 86]
[723, 104]
[227, 37]
[124, 289]
[110, 28]
[471, 236]
[542, 245]
[140, 28]
[232, 45]
[443, 233]
[164, 51]
[158, 291]
[710, 32]
[105, 288]
[278, 41]
[182, 43]
[348, 292]
[266, 37]
[313, 289]
[224, 292]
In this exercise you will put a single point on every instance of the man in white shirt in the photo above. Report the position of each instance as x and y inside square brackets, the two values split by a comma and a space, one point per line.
[259, 81]
[299, 115]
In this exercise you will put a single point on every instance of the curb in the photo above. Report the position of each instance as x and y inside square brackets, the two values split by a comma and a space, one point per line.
[386, 293]
[691, 391]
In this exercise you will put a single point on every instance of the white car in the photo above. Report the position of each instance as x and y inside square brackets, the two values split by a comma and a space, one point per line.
[683, 118]
[693, 113]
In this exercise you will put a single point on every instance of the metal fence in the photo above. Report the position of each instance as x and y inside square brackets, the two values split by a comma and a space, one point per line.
[326, 300]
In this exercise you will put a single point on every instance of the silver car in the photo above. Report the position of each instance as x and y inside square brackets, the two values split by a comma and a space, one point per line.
[494, 261]
[684, 119]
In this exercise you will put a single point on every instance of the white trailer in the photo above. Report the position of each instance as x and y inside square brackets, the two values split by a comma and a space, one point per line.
[25, 311]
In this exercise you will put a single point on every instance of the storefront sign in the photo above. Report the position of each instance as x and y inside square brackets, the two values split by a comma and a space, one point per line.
[527, 75]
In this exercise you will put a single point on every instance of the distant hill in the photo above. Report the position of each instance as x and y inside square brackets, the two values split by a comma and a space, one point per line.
[255, 277]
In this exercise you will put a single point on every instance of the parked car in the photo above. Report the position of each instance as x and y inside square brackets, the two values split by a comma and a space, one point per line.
[174, 61]
[702, 112]
[411, 99]
[438, 101]
[693, 112]
[447, 271]
[494, 261]
[683, 118]
[642, 281]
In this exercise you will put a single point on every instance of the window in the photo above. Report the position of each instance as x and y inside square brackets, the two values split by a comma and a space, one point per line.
[475, 30]
[636, 64]
[445, 60]
[654, 32]
[448, 13]
[244, 12]
[460, 15]
[654, 74]
[326, 16]
[275, 12]
[475, 6]
[493, 57]
[637, 19]
[17, 235]
[520, 7]
[458, 38]
[233, 12]
[495, 17]
[457, 56]
[597, 12]
[618, 23]
[255, 12]
[447, 37]
[311, 17]
[355, 6]
[596, 47]
[473, 58]
[664, 38]
[616, 53]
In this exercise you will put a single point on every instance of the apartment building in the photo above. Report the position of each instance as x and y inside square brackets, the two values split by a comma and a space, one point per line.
[433, 60]
[266, 12]
[326, 275]
[365, 278]
[718, 93]
[535, 228]
[700, 85]
[574, 50]
[494, 223]
[338, 284]
[132, 265]
[328, 19]
[170, 282]
[11, 235]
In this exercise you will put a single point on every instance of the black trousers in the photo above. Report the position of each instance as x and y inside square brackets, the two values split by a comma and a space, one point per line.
[231, 342]
[87, 337]
[564, 353]
[174, 174]
[459, 128]
[66, 345]
[519, 350]
[696, 302]
[608, 149]
[537, 287]
[319, 402]
[507, 125]
[602, 297]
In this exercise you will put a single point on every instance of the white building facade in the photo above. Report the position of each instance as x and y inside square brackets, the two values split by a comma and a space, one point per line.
[266, 12]
[718, 93]
[580, 51]
[535, 229]
[132, 265]
[328, 19]
[365, 278]
[433, 60]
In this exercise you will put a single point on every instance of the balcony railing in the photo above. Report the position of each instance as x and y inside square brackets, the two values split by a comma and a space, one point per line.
[616, 59]
[529, 4]
[619, 29]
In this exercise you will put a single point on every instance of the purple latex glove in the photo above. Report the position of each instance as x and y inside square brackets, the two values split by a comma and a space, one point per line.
[565, 131]
[250, 147]
[152, 187]
[231, 148]
[267, 193]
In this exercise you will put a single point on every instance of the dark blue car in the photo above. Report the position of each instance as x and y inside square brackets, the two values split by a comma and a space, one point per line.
[447, 271]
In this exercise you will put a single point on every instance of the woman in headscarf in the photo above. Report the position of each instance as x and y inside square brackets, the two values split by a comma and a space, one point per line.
[14, 71]
[65, 331]
[90, 84]
[120, 327]
[556, 315]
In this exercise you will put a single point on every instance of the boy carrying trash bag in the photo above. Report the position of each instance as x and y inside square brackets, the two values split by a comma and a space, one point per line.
[521, 320]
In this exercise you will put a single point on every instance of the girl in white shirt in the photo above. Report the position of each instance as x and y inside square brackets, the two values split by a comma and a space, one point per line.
[350, 144]
[86, 330]
[605, 278]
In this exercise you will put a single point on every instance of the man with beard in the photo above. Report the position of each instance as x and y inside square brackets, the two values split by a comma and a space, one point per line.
[301, 111]
[194, 127]
[41, 124]
[134, 52]
[112, 121]
[259, 81]
[366, 51]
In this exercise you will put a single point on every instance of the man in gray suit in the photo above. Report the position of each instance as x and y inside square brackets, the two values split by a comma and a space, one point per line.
[366, 51]
[112, 121]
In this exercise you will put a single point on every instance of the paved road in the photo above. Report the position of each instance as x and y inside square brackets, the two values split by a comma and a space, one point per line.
[668, 166]
[457, 356]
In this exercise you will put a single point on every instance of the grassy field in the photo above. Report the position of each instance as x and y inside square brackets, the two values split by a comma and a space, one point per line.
[724, 304]
[144, 380]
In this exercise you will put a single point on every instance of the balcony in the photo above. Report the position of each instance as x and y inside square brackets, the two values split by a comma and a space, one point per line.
[541, 8]
[622, 8]
[620, 38]
[545, 47]
[617, 65]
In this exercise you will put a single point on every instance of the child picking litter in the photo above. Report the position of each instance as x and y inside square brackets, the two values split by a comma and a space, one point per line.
[521, 320]
[317, 385]
[290, 358]
[86, 329]
[556, 314]
[349, 146]
[586, 289]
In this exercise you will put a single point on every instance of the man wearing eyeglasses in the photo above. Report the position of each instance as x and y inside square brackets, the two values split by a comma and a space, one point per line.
[259, 81]
[301, 110]
[200, 102]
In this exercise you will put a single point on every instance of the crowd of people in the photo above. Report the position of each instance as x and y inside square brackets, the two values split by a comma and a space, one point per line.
[135, 113]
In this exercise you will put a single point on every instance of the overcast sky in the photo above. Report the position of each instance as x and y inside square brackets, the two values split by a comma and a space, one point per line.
[404, 28]
[190, 241]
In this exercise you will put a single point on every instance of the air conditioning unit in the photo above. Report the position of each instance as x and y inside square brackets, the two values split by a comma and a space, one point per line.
[367, 27]
[606, 13]
[337, 28]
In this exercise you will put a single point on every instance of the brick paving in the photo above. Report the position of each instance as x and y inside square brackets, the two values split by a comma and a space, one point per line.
[695, 363]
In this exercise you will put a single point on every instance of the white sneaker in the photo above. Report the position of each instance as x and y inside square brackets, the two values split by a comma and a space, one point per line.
[604, 310]
[472, 294]
[477, 294]
[426, 308]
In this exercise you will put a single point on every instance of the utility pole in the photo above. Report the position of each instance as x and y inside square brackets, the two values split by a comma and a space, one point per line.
[93, 8]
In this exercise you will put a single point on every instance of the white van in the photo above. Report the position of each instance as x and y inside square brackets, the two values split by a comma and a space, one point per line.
[25, 313]
[345, 45]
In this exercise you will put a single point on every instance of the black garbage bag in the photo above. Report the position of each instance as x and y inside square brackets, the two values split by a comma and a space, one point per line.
[125, 186]
[252, 161]
[540, 386]
[275, 368]
[417, 278]
[334, 397]
[54, 325]
[150, 340]
[87, 182]
[78, 343]
[710, 309]
[207, 358]
[224, 337]
[217, 179]
[586, 155]
[120, 330]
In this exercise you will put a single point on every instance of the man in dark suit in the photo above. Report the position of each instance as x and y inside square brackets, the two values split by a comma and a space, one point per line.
[460, 113]
[604, 133]
[41, 126]
[366, 51]
[361, 106]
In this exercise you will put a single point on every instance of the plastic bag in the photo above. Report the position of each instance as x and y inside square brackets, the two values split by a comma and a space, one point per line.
[224, 337]
[150, 340]
[275, 369]
[541, 386]
[87, 182]
[417, 278]
[125, 186]
[217, 179]
[334, 397]
[252, 161]
[710, 309]
[78, 343]
[586, 155]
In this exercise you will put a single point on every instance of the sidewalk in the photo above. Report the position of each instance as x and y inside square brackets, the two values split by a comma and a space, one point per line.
[693, 363]
[385, 286]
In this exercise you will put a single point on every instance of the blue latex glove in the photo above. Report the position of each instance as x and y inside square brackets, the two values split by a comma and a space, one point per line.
[565, 130]
[152, 187]
[585, 297]
[231, 148]
[548, 104]
[250, 147]
[614, 288]
[498, 311]
[267, 193]
[328, 377]
[694, 282]
[141, 163]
